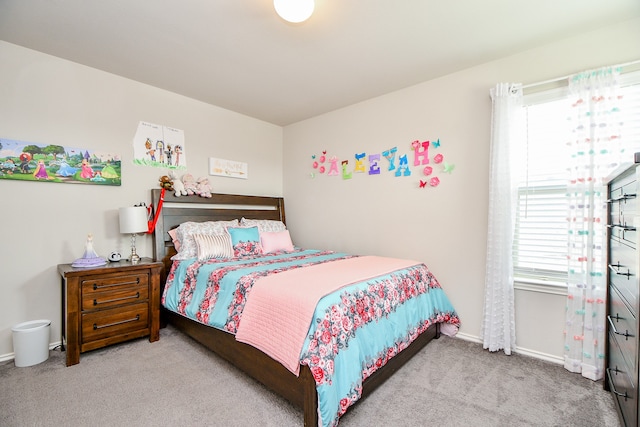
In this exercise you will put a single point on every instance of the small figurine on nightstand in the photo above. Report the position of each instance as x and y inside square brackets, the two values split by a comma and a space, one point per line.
[90, 257]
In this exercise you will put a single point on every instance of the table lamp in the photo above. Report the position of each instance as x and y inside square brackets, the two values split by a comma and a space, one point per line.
[133, 220]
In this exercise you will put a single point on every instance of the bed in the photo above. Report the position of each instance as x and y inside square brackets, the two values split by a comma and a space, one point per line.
[300, 385]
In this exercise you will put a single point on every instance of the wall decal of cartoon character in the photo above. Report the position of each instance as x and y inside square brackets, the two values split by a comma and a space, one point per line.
[8, 166]
[66, 169]
[108, 171]
[25, 158]
[87, 170]
[41, 171]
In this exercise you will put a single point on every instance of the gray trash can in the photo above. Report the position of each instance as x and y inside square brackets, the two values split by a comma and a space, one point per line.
[31, 342]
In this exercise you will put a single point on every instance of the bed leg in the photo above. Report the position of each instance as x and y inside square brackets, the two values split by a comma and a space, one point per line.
[310, 398]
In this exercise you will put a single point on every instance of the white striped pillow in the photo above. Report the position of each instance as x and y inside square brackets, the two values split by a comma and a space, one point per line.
[186, 231]
[213, 246]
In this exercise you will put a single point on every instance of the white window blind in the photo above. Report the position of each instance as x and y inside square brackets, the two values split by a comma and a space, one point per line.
[540, 240]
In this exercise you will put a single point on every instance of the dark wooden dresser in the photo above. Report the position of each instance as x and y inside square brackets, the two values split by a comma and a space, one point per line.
[622, 292]
[109, 304]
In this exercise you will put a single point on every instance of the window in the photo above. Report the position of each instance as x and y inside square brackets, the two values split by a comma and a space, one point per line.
[540, 239]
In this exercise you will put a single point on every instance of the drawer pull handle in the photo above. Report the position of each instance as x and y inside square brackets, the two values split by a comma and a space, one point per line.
[136, 296]
[616, 269]
[134, 282]
[623, 226]
[626, 334]
[96, 327]
[622, 198]
[613, 386]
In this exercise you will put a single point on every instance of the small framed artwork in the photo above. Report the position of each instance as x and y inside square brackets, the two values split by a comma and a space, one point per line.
[228, 168]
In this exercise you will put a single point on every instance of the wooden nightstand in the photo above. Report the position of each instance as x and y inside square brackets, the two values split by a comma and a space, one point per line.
[109, 304]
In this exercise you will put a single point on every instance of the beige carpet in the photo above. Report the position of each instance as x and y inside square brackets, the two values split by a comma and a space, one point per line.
[176, 382]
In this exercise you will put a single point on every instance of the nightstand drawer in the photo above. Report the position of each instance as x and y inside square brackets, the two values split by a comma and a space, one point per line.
[106, 323]
[111, 283]
[116, 297]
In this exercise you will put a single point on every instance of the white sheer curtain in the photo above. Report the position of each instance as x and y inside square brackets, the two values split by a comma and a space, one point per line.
[595, 149]
[498, 325]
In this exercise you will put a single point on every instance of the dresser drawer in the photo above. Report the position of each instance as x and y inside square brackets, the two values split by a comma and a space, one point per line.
[622, 327]
[623, 271]
[115, 297]
[622, 215]
[624, 186]
[624, 191]
[111, 283]
[621, 384]
[623, 207]
[626, 235]
[115, 321]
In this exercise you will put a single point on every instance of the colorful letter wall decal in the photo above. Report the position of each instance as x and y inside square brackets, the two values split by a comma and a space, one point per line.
[374, 168]
[391, 156]
[422, 162]
[403, 167]
[421, 151]
[360, 163]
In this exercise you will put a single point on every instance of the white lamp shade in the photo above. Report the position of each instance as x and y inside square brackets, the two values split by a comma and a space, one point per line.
[294, 10]
[133, 220]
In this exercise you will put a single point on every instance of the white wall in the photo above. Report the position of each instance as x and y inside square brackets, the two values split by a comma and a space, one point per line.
[47, 100]
[446, 226]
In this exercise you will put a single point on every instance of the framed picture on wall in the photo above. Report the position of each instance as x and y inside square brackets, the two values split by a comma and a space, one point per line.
[228, 168]
[28, 161]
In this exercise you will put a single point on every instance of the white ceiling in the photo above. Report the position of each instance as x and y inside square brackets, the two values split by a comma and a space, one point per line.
[239, 55]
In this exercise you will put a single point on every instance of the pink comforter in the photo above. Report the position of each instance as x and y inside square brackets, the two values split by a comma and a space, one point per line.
[279, 310]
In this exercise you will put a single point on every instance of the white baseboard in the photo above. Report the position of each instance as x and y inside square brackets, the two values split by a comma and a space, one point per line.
[472, 338]
[520, 350]
[11, 356]
[538, 355]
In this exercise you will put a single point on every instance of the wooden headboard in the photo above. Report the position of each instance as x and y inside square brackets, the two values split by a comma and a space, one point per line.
[220, 207]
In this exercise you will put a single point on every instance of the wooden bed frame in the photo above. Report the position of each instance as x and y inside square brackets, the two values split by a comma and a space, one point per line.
[300, 391]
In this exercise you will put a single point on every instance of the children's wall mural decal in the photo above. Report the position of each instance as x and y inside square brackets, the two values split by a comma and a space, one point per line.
[28, 161]
[159, 146]
[427, 159]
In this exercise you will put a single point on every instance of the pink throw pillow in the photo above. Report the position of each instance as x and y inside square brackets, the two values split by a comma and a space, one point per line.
[274, 241]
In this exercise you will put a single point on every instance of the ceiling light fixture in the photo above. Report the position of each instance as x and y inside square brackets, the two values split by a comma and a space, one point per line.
[294, 10]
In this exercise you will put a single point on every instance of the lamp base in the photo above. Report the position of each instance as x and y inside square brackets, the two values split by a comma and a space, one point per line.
[134, 258]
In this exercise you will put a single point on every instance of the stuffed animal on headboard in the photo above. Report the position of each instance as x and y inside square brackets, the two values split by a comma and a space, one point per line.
[204, 189]
[178, 185]
[166, 183]
[189, 184]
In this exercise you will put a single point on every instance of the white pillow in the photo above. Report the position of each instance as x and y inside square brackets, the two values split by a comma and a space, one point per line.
[186, 231]
[263, 224]
[213, 246]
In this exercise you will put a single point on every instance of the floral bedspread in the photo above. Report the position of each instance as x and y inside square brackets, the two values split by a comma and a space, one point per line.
[355, 330]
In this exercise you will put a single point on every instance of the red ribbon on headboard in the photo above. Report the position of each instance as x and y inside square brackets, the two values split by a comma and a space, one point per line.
[152, 222]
